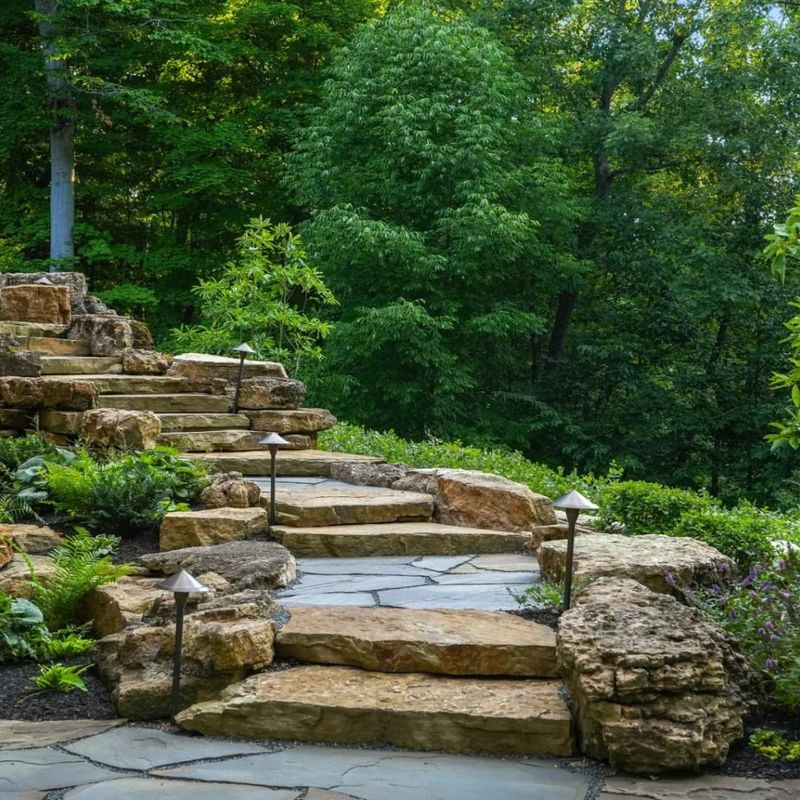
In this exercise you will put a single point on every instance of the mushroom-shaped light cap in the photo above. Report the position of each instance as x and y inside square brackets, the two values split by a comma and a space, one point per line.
[273, 438]
[182, 582]
[574, 500]
[243, 348]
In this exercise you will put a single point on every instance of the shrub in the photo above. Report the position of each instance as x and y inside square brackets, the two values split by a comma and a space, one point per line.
[15, 451]
[22, 628]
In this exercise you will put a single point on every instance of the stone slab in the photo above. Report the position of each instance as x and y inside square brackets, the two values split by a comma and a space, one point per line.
[291, 464]
[235, 440]
[483, 577]
[133, 384]
[382, 775]
[323, 584]
[203, 367]
[21, 734]
[146, 748]
[180, 529]
[167, 403]
[705, 787]
[403, 640]
[31, 539]
[178, 423]
[298, 420]
[506, 562]
[333, 599]
[485, 597]
[396, 538]
[22, 330]
[80, 365]
[164, 789]
[345, 705]
[42, 768]
[55, 346]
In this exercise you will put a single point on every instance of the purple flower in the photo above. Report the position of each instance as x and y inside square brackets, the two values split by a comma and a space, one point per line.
[670, 578]
[762, 632]
[766, 586]
[770, 663]
[733, 615]
[752, 595]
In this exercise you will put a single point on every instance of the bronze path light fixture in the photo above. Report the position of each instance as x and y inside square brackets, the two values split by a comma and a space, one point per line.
[573, 503]
[181, 584]
[243, 350]
[273, 441]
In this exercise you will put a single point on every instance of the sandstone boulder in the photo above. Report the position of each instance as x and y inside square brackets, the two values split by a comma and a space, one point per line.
[143, 362]
[115, 606]
[181, 529]
[15, 418]
[6, 551]
[230, 489]
[142, 338]
[68, 423]
[368, 473]
[74, 282]
[201, 370]
[656, 686]
[67, 395]
[31, 539]
[246, 565]
[479, 499]
[117, 427]
[35, 302]
[301, 420]
[269, 393]
[647, 559]
[15, 576]
[16, 361]
[107, 334]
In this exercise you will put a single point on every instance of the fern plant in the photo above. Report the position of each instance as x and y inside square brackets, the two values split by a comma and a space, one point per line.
[59, 678]
[66, 643]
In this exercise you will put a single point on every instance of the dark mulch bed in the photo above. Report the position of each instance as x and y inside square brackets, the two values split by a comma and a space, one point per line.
[131, 547]
[17, 702]
[549, 618]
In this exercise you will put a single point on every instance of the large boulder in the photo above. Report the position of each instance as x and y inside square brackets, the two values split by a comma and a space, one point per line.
[75, 282]
[107, 334]
[656, 686]
[125, 602]
[15, 576]
[479, 499]
[300, 420]
[245, 565]
[201, 370]
[231, 490]
[36, 302]
[180, 529]
[268, 393]
[16, 361]
[31, 539]
[143, 362]
[648, 559]
[117, 427]
[67, 395]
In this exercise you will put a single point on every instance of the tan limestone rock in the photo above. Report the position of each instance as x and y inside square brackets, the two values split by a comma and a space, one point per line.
[15, 360]
[271, 393]
[15, 418]
[15, 577]
[107, 334]
[647, 559]
[230, 440]
[116, 427]
[31, 539]
[36, 303]
[290, 463]
[656, 686]
[201, 369]
[230, 489]
[445, 642]
[181, 529]
[480, 500]
[300, 420]
[368, 474]
[67, 423]
[345, 705]
[6, 551]
[115, 606]
[143, 362]
[67, 395]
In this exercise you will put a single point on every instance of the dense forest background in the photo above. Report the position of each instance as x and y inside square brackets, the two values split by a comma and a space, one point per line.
[542, 221]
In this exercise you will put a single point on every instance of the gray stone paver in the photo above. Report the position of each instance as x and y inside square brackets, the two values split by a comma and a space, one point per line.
[43, 768]
[704, 787]
[146, 748]
[481, 577]
[482, 597]
[440, 563]
[16, 734]
[388, 775]
[333, 599]
[316, 584]
[163, 789]
[505, 562]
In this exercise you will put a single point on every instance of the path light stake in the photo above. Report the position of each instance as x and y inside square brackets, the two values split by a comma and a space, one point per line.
[181, 584]
[273, 441]
[573, 503]
[243, 350]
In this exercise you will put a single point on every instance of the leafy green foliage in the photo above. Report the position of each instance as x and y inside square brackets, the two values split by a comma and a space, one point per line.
[548, 595]
[65, 643]
[59, 678]
[774, 745]
[14, 451]
[22, 628]
[266, 297]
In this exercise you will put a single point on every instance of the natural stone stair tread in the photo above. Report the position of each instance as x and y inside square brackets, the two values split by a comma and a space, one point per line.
[183, 423]
[54, 346]
[232, 440]
[451, 642]
[185, 402]
[24, 329]
[296, 463]
[418, 711]
[80, 365]
[397, 538]
[131, 384]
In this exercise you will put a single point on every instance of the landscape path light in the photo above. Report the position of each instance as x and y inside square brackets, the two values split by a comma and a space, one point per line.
[243, 350]
[573, 503]
[273, 441]
[181, 584]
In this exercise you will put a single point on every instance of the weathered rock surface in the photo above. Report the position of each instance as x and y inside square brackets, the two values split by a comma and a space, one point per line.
[201, 369]
[300, 420]
[65, 422]
[369, 474]
[407, 640]
[6, 551]
[143, 362]
[75, 282]
[113, 607]
[269, 393]
[107, 334]
[480, 500]
[289, 463]
[181, 529]
[180, 423]
[656, 686]
[16, 734]
[34, 302]
[15, 418]
[31, 539]
[230, 440]
[246, 565]
[116, 427]
[646, 559]
[67, 395]
[15, 577]
[16, 361]
[345, 705]
[705, 787]
[231, 490]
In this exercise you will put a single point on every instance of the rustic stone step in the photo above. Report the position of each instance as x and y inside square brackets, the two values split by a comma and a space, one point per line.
[324, 505]
[180, 423]
[228, 440]
[80, 365]
[25, 329]
[397, 538]
[422, 712]
[132, 384]
[54, 346]
[299, 463]
[448, 642]
[298, 420]
[18, 418]
[186, 403]
[181, 529]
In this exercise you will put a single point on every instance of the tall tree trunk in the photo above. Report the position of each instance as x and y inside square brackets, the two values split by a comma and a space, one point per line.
[62, 137]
